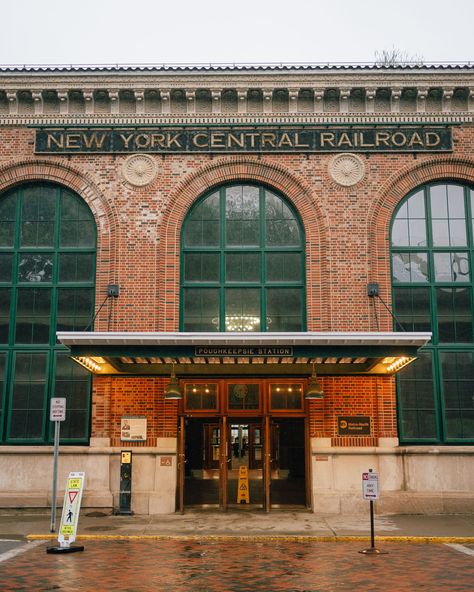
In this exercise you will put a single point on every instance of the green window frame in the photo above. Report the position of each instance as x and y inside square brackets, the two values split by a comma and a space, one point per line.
[432, 263]
[48, 240]
[242, 263]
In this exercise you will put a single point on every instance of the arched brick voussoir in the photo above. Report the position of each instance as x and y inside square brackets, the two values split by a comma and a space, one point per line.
[12, 174]
[452, 168]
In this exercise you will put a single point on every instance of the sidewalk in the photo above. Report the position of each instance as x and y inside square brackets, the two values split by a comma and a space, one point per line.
[35, 523]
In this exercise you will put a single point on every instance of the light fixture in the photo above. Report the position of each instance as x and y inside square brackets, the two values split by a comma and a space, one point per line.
[314, 390]
[88, 363]
[173, 390]
[399, 363]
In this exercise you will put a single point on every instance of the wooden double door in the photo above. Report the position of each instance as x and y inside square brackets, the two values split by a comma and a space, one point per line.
[244, 445]
[209, 463]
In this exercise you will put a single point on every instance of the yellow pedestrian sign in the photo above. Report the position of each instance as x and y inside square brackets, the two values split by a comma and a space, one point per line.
[70, 514]
[243, 496]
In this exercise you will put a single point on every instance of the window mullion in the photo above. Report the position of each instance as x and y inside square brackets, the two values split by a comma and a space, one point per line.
[263, 262]
[223, 253]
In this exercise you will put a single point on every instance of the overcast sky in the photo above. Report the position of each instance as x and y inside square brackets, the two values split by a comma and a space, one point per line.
[238, 31]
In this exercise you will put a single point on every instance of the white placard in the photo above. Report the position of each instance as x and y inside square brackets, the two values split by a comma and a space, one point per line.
[133, 429]
[370, 486]
[57, 410]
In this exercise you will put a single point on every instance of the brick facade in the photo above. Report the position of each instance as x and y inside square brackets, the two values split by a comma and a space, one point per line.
[347, 246]
[139, 228]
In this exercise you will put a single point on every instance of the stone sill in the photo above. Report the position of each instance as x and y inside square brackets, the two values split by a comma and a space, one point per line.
[74, 450]
[396, 450]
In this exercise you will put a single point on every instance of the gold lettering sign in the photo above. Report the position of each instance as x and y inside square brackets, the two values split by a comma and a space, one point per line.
[234, 139]
[359, 425]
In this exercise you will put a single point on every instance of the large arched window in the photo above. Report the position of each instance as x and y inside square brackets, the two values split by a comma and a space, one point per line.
[242, 264]
[432, 242]
[47, 276]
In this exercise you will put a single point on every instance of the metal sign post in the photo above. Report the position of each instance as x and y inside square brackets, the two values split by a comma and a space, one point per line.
[370, 491]
[57, 414]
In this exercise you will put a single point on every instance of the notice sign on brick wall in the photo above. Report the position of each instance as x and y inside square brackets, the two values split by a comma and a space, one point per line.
[133, 428]
[358, 425]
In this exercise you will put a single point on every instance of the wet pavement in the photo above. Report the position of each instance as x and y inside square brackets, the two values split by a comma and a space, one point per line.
[238, 566]
[238, 551]
[240, 523]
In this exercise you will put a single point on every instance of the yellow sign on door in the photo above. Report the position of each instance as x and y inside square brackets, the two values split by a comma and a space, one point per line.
[243, 496]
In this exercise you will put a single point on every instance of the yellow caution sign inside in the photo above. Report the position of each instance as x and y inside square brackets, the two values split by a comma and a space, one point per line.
[243, 496]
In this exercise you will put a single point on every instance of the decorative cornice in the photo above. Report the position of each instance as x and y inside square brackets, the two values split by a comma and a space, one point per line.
[303, 93]
[244, 119]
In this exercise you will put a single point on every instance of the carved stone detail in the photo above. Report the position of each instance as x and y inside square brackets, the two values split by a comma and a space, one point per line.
[165, 95]
[139, 169]
[376, 92]
[346, 169]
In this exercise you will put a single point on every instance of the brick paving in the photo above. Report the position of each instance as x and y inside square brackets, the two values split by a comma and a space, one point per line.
[239, 566]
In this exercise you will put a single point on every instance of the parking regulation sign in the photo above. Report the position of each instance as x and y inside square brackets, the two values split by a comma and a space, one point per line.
[57, 410]
[370, 486]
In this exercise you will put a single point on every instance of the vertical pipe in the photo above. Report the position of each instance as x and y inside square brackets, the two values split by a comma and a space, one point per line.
[223, 464]
[266, 464]
[308, 465]
[55, 475]
[181, 461]
[372, 529]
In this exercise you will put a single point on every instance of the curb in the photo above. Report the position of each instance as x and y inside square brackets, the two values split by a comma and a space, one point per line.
[284, 538]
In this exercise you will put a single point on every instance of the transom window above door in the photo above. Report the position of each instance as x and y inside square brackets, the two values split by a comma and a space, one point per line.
[242, 265]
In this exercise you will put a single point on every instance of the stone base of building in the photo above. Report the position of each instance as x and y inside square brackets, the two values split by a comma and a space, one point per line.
[413, 480]
[26, 476]
[394, 502]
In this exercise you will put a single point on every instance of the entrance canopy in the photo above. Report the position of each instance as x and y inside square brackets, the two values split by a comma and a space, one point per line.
[228, 354]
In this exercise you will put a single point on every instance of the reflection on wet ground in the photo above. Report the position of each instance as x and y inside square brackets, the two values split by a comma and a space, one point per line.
[239, 566]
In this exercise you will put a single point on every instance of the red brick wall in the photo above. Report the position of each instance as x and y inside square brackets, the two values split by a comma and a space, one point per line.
[117, 396]
[347, 234]
[372, 396]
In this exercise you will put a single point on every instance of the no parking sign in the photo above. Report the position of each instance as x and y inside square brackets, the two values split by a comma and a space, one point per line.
[370, 486]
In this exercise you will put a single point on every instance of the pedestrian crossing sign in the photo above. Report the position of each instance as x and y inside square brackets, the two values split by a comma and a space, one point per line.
[71, 509]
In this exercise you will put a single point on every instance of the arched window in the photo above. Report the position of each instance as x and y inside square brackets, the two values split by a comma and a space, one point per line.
[47, 276]
[432, 243]
[242, 264]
